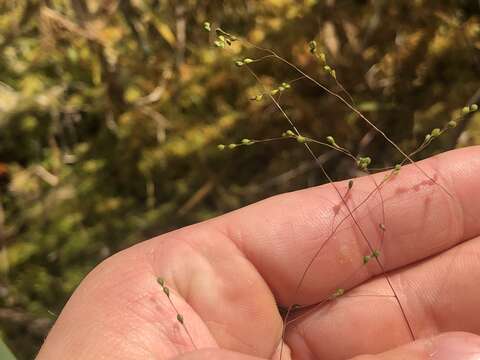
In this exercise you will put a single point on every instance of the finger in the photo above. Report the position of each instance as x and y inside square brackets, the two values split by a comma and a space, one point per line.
[438, 295]
[448, 346]
[215, 354]
[281, 235]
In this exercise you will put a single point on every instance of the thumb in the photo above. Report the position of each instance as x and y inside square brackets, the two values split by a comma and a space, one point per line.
[215, 354]
[446, 346]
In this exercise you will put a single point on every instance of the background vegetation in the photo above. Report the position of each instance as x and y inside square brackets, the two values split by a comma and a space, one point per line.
[110, 113]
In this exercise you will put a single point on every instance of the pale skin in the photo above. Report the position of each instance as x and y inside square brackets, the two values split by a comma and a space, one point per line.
[227, 275]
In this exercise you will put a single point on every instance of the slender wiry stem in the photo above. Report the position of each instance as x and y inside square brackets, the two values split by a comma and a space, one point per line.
[180, 318]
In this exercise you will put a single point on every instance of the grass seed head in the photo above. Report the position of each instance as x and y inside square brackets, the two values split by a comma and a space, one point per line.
[452, 124]
[350, 184]
[301, 139]
[436, 132]
[331, 140]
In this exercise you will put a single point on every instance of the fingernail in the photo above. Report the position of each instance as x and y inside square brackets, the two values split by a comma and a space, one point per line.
[462, 346]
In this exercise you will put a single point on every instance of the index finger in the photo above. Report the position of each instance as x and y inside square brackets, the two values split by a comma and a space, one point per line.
[408, 219]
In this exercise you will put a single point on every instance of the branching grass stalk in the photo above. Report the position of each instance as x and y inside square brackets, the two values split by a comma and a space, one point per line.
[351, 215]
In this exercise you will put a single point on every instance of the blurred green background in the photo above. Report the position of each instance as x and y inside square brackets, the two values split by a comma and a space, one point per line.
[110, 113]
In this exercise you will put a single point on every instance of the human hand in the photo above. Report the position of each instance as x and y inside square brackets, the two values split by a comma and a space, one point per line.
[226, 276]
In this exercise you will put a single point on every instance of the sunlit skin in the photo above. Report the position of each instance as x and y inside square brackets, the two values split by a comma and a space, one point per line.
[227, 275]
